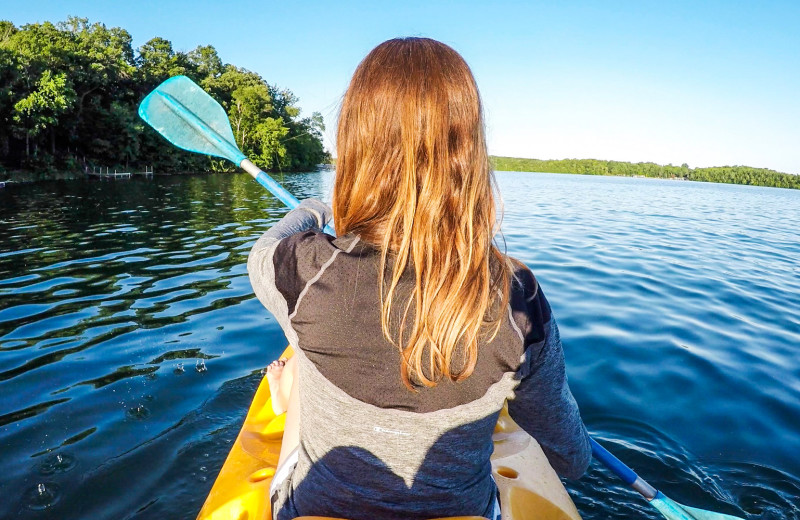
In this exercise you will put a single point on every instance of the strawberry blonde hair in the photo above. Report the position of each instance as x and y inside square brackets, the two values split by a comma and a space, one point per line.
[413, 179]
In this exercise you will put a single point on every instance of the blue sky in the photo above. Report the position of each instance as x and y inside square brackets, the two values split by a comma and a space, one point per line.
[703, 82]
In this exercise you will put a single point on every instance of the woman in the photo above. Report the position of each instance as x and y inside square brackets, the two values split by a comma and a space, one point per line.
[411, 329]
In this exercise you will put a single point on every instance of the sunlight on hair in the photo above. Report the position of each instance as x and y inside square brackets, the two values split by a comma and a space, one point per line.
[413, 178]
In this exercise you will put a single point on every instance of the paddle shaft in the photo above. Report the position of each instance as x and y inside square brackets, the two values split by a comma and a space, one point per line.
[622, 471]
[269, 183]
[275, 188]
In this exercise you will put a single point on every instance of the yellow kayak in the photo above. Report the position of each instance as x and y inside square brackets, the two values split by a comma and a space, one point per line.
[529, 487]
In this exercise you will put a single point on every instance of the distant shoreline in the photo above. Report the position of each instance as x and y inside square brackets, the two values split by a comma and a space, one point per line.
[745, 175]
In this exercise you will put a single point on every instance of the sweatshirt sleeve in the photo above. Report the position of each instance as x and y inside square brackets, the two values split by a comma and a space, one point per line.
[277, 291]
[543, 404]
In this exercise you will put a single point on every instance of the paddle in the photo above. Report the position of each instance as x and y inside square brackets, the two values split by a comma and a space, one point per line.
[191, 119]
[667, 507]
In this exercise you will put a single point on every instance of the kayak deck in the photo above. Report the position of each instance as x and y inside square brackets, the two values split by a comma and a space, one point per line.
[529, 487]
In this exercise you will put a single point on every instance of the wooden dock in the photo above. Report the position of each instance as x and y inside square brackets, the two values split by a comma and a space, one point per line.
[106, 173]
[148, 172]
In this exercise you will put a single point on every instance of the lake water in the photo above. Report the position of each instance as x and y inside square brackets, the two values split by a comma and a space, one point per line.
[131, 342]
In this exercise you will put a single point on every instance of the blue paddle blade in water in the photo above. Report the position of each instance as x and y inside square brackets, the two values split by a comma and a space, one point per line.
[189, 118]
[666, 506]
[675, 511]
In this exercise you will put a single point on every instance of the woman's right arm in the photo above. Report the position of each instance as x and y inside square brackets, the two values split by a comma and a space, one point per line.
[311, 214]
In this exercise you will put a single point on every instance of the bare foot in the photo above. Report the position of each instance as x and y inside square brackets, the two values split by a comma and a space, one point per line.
[274, 373]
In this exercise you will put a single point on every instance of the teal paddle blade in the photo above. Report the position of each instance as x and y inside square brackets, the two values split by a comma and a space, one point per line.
[675, 511]
[189, 118]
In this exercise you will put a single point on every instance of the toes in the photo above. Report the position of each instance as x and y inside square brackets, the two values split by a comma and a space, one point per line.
[279, 363]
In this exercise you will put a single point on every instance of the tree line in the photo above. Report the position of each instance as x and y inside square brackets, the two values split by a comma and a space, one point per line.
[723, 174]
[69, 94]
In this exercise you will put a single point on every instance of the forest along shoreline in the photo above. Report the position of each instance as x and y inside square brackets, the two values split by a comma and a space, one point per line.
[69, 93]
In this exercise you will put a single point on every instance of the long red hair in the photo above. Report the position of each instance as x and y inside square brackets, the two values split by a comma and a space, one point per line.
[413, 178]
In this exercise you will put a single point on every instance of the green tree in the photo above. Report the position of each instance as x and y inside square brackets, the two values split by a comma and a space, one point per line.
[42, 108]
[157, 61]
[269, 148]
[205, 61]
[7, 80]
[101, 66]
[248, 106]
